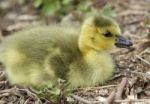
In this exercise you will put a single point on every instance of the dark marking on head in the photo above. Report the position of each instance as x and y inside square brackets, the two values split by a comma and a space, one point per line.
[101, 21]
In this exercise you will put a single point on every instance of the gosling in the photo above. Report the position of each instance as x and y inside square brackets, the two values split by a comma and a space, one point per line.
[42, 55]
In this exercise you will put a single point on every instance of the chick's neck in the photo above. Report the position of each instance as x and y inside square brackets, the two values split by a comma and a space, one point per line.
[86, 48]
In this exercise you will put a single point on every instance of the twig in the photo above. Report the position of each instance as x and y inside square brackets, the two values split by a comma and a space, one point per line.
[135, 100]
[134, 21]
[96, 88]
[142, 6]
[12, 91]
[131, 12]
[143, 46]
[100, 102]
[120, 88]
[84, 100]
[142, 59]
[3, 82]
[2, 75]
[140, 73]
[117, 76]
[7, 91]
[4, 94]
[110, 98]
[29, 93]
[144, 52]
[117, 95]
[114, 95]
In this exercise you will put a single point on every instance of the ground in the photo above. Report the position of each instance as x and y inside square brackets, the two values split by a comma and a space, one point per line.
[132, 65]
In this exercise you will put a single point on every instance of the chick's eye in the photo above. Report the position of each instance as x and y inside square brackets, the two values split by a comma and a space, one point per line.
[108, 34]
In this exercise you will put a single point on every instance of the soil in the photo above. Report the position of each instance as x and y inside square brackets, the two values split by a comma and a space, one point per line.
[133, 63]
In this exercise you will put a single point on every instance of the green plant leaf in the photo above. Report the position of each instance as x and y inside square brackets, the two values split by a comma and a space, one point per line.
[84, 6]
[50, 7]
[107, 11]
[37, 3]
[66, 2]
[55, 91]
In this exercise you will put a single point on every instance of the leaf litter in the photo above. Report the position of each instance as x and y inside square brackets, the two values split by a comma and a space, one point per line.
[132, 64]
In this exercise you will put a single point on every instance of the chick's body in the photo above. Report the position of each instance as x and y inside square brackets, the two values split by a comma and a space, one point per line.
[42, 55]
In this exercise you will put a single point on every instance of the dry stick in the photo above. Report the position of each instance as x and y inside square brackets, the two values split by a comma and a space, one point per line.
[3, 82]
[143, 46]
[110, 98]
[145, 51]
[7, 91]
[27, 101]
[84, 100]
[116, 101]
[4, 95]
[131, 12]
[140, 73]
[142, 59]
[2, 75]
[114, 95]
[120, 88]
[96, 88]
[117, 95]
[134, 22]
[14, 91]
[135, 100]
[93, 88]
[140, 8]
[31, 94]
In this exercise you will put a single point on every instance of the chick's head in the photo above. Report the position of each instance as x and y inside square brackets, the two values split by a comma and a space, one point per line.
[99, 33]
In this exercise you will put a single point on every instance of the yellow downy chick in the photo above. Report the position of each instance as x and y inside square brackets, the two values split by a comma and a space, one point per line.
[41, 55]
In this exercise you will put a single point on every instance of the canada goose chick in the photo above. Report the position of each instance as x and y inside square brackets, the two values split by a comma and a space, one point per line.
[42, 55]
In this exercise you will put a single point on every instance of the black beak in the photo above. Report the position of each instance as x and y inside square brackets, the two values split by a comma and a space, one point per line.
[123, 42]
